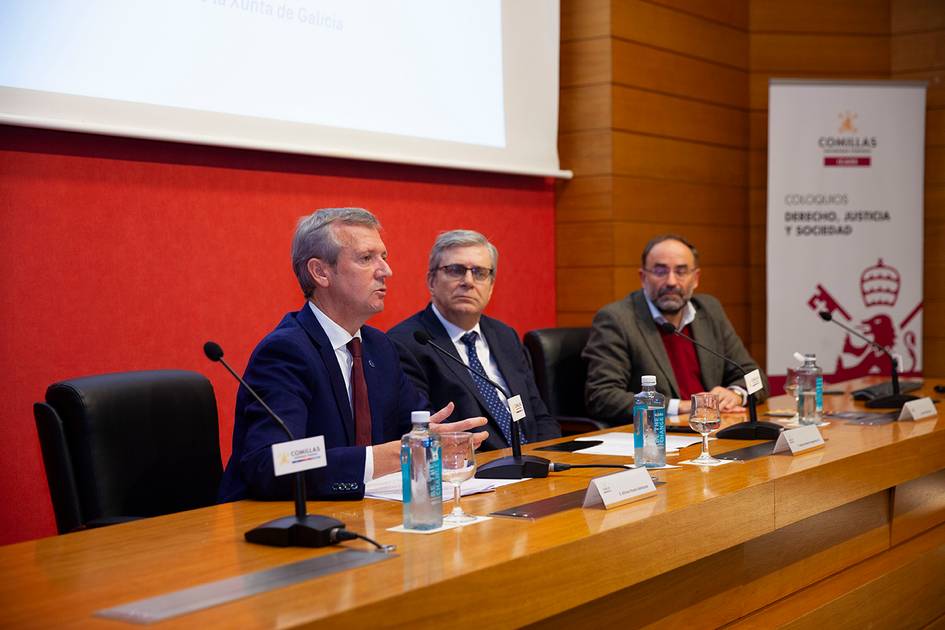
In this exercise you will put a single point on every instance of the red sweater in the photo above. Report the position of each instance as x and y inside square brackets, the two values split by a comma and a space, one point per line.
[682, 356]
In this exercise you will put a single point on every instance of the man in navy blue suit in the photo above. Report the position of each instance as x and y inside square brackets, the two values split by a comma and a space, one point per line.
[325, 373]
[461, 277]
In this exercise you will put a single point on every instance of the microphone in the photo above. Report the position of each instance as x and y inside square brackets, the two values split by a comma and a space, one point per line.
[896, 399]
[751, 430]
[517, 466]
[301, 530]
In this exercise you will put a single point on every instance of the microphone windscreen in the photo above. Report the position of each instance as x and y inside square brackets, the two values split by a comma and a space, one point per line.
[666, 327]
[826, 315]
[213, 350]
[422, 337]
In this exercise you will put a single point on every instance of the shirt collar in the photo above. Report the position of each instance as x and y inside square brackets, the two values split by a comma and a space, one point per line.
[338, 337]
[453, 331]
[689, 312]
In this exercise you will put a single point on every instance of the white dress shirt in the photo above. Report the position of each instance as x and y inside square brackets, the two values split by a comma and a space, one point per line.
[482, 349]
[689, 316]
[338, 337]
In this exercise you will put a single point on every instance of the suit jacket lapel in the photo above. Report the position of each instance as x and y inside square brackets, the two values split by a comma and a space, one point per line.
[654, 342]
[309, 323]
[440, 338]
[507, 361]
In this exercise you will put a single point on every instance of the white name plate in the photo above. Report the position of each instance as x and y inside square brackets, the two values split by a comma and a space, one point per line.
[516, 408]
[918, 409]
[304, 454]
[753, 381]
[799, 440]
[619, 488]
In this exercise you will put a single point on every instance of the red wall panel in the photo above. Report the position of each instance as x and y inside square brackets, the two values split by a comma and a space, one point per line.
[122, 254]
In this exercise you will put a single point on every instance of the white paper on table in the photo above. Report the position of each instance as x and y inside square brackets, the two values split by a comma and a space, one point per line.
[621, 444]
[389, 487]
[400, 529]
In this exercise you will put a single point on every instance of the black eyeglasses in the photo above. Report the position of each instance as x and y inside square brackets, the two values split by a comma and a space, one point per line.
[661, 271]
[457, 272]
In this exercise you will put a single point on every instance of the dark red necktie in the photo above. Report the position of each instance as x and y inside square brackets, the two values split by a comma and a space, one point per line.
[359, 397]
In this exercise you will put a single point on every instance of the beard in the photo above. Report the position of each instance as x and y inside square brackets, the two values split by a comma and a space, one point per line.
[671, 301]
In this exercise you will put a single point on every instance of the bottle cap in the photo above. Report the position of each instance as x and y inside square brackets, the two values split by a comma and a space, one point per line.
[420, 417]
[649, 379]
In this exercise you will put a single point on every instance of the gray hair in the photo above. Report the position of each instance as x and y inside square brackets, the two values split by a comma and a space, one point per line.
[460, 238]
[313, 240]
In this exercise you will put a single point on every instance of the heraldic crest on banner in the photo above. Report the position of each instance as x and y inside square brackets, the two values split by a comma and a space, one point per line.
[879, 289]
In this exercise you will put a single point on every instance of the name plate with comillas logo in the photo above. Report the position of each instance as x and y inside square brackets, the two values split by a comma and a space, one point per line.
[799, 440]
[619, 488]
[298, 455]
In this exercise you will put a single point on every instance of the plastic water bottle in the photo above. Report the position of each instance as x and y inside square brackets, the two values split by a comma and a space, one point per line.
[421, 470]
[649, 425]
[810, 391]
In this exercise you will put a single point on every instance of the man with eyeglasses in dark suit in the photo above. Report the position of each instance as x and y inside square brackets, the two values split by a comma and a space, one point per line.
[461, 277]
[626, 340]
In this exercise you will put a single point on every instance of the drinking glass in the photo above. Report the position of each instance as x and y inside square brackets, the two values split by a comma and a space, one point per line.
[704, 418]
[459, 464]
[790, 384]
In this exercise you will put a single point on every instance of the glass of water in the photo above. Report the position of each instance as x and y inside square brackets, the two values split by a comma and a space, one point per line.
[459, 464]
[704, 418]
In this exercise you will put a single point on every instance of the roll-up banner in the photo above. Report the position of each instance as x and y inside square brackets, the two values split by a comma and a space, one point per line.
[845, 206]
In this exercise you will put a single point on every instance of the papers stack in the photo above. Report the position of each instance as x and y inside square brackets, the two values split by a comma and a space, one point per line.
[389, 487]
[621, 444]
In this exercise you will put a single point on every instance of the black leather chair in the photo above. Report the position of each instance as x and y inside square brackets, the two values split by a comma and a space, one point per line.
[560, 373]
[129, 445]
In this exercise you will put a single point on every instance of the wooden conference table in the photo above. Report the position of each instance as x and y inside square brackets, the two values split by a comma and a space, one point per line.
[845, 536]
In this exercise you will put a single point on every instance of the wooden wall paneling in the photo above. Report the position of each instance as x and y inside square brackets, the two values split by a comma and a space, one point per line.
[907, 16]
[637, 199]
[582, 289]
[918, 51]
[680, 118]
[636, 65]
[585, 107]
[585, 198]
[758, 129]
[585, 62]
[584, 19]
[757, 243]
[933, 353]
[667, 28]
[757, 209]
[575, 318]
[820, 53]
[935, 203]
[758, 169]
[935, 127]
[585, 245]
[587, 152]
[817, 16]
[935, 165]
[717, 245]
[646, 156]
[732, 13]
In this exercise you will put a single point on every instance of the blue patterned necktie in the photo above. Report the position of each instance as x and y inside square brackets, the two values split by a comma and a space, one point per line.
[489, 394]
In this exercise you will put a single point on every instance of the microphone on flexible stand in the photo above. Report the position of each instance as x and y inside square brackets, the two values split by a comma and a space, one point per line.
[516, 466]
[301, 530]
[897, 399]
[751, 430]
